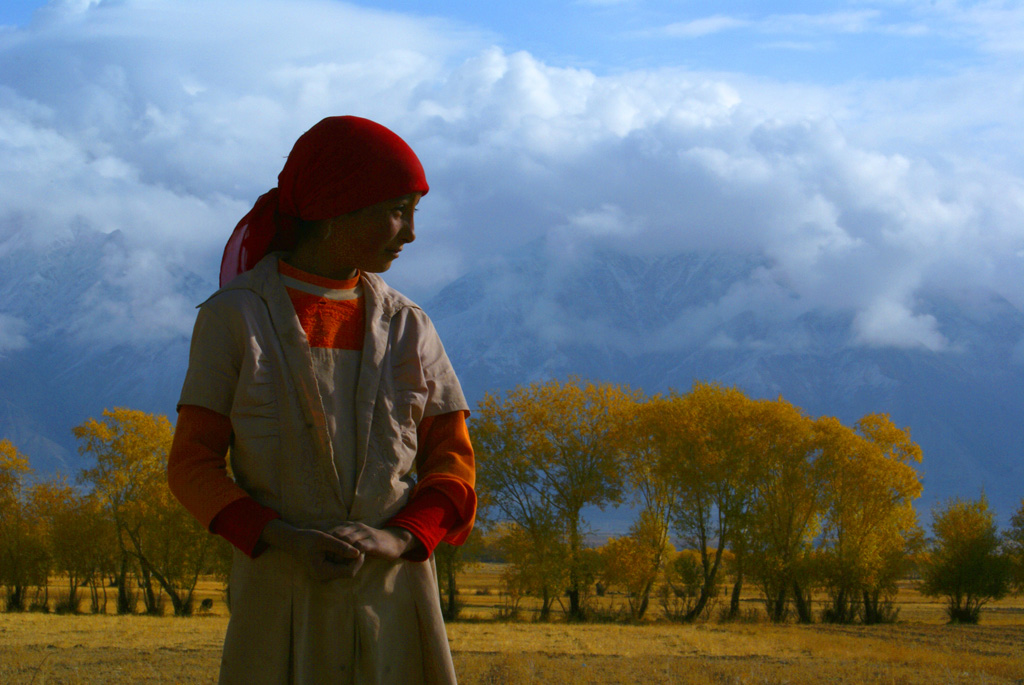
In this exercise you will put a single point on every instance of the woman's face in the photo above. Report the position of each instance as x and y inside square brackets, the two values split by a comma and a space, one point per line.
[368, 239]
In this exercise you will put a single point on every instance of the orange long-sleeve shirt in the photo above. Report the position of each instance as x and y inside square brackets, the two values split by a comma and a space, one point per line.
[441, 508]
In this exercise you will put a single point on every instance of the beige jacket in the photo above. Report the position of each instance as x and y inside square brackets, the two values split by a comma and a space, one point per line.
[250, 360]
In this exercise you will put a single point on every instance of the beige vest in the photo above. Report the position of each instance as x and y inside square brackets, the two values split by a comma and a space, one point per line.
[384, 625]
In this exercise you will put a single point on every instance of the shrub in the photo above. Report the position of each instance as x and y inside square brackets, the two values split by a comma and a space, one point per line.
[681, 591]
[1013, 540]
[964, 563]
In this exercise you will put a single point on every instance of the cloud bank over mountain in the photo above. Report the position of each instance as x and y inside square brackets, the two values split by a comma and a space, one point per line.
[164, 120]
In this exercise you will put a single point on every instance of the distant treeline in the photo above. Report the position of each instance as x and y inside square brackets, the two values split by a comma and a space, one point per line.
[756, 491]
[116, 526]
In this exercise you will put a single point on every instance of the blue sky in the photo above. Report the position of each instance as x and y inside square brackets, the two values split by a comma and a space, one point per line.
[17, 12]
[814, 41]
[871, 151]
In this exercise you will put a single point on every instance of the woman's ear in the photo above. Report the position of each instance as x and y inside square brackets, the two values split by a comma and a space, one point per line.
[324, 229]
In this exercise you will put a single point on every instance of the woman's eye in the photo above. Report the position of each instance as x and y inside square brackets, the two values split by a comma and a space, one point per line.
[404, 209]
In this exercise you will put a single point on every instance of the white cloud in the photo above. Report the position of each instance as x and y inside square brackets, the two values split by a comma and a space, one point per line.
[817, 25]
[607, 221]
[890, 324]
[703, 27]
[997, 26]
[836, 22]
[135, 302]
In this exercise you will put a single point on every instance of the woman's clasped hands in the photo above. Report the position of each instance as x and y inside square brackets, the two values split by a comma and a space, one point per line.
[341, 551]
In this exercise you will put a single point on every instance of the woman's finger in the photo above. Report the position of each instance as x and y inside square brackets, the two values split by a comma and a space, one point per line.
[350, 532]
[338, 547]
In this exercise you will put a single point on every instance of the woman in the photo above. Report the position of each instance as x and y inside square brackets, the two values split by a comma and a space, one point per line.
[345, 421]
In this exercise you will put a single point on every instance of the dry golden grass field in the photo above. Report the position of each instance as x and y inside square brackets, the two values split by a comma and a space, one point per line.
[920, 648]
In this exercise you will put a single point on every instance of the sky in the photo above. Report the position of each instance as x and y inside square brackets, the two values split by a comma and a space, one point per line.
[870, 151]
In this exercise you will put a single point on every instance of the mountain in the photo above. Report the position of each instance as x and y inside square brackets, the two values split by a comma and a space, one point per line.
[652, 323]
[83, 350]
[80, 308]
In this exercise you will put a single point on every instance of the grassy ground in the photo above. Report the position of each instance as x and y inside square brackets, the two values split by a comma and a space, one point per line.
[49, 648]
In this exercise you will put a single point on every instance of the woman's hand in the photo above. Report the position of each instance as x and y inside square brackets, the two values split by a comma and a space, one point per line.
[385, 543]
[325, 557]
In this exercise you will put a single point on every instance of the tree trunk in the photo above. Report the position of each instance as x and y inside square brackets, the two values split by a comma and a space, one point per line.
[575, 611]
[693, 613]
[94, 597]
[453, 610]
[706, 592]
[72, 594]
[147, 588]
[707, 588]
[645, 597]
[575, 545]
[182, 607]
[182, 604]
[16, 598]
[124, 603]
[44, 603]
[779, 605]
[839, 610]
[545, 606]
[734, 599]
[803, 604]
[872, 610]
[645, 600]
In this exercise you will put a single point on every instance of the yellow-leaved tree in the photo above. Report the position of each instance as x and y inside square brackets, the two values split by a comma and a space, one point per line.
[546, 451]
[964, 562]
[786, 506]
[708, 457]
[165, 543]
[537, 564]
[901, 534]
[1013, 541]
[868, 519]
[79, 539]
[24, 561]
[513, 493]
[634, 561]
[450, 560]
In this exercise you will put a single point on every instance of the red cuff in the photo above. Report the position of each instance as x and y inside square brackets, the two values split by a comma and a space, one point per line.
[242, 522]
[428, 516]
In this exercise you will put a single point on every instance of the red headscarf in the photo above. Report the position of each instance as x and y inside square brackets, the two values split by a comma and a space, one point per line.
[340, 165]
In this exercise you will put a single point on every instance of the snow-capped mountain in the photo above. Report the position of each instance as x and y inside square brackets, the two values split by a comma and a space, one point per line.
[660, 323]
[80, 345]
